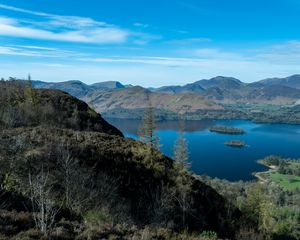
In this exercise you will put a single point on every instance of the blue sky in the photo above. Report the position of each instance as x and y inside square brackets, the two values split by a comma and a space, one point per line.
[149, 42]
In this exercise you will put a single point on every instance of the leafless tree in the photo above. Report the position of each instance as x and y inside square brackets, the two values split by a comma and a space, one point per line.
[68, 168]
[44, 208]
[183, 199]
[162, 200]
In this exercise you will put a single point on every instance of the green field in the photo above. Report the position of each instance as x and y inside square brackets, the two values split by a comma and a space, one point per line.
[287, 182]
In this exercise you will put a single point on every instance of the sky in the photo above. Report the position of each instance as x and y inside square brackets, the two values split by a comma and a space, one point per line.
[149, 42]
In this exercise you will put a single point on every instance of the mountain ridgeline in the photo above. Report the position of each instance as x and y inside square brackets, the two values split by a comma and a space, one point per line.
[269, 100]
[23, 106]
[64, 169]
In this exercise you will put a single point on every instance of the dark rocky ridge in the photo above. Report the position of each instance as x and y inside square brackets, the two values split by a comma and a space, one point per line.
[77, 88]
[21, 106]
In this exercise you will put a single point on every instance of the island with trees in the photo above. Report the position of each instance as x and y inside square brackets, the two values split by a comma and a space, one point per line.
[227, 130]
[235, 143]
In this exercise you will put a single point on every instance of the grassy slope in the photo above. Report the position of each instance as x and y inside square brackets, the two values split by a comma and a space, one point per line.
[286, 181]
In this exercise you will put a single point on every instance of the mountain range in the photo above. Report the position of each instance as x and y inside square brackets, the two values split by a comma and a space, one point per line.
[230, 90]
[215, 98]
[219, 89]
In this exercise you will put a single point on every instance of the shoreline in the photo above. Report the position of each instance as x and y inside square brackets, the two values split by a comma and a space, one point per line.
[260, 175]
[297, 123]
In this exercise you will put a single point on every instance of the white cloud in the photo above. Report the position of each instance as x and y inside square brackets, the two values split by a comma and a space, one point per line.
[19, 52]
[285, 53]
[65, 28]
[37, 51]
[165, 61]
[214, 53]
[100, 35]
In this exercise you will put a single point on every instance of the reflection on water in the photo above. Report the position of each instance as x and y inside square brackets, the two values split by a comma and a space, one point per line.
[132, 125]
[210, 156]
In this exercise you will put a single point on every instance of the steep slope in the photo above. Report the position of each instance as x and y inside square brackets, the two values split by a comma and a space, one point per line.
[22, 106]
[108, 85]
[200, 86]
[140, 98]
[124, 162]
[77, 88]
[104, 172]
[189, 88]
[74, 87]
[220, 82]
[274, 94]
[291, 81]
[230, 90]
[254, 94]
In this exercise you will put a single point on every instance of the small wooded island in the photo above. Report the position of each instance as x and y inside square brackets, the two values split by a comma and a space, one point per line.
[227, 130]
[235, 143]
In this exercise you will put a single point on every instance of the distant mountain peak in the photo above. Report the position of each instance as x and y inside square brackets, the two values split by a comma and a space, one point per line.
[224, 78]
[108, 84]
[220, 82]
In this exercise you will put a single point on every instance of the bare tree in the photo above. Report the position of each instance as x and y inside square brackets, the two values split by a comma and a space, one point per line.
[68, 168]
[183, 198]
[44, 209]
[163, 204]
[75, 183]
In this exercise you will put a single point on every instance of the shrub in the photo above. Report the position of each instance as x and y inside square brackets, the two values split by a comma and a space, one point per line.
[97, 217]
[209, 235]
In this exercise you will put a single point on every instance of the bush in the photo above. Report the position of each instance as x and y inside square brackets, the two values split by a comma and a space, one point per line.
[97, 217]
[209, 235]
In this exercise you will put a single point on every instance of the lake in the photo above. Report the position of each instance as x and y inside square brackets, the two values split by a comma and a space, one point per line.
[209, 155]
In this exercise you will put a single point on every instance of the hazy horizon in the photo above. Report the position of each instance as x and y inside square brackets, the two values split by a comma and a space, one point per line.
[128, 83]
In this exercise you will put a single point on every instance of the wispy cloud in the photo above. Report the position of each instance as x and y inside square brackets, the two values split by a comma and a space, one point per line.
[65, 28]
[141, 25]
[37, 51]
[215, 53]
[166, 61]
[285, 53]
[100, 35]
[282, 54]
[16, 52]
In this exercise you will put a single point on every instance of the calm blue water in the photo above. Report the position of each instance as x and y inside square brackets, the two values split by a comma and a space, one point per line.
[209, 155]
